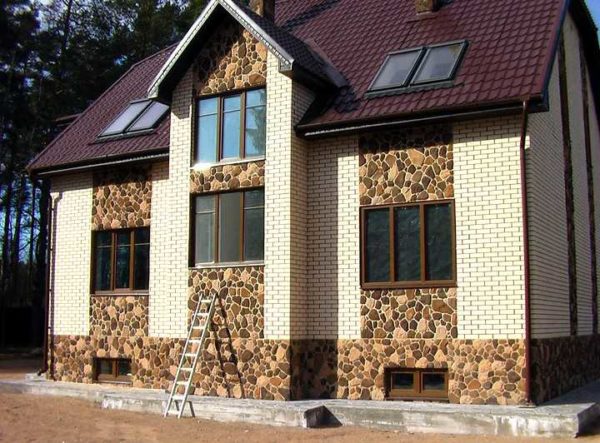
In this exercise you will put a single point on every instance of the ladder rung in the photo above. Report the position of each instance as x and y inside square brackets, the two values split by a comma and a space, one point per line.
[182, 382]
[194, 341]
[201, 315]
[197, 328]
[190, 354]
[187, 369]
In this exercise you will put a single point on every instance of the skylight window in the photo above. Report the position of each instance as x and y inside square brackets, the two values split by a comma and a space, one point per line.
[419, 66]
[138, 116]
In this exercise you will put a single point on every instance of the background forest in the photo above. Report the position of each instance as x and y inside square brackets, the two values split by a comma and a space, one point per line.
[56, 56]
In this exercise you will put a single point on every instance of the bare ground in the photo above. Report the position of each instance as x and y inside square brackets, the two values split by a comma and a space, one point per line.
[28, 418]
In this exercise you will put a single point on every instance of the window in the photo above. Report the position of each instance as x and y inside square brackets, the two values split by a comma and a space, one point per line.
[139, 116]
[121, 260]
[229, 227]
[112, 370]
[231, 127]
[408, 246]
[413, 384]
[419, 66]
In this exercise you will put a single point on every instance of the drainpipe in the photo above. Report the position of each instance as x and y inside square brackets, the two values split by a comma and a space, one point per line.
[47, 290]
[524, 124]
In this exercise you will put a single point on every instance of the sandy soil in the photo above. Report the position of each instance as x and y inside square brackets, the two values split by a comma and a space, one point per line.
[27, 418]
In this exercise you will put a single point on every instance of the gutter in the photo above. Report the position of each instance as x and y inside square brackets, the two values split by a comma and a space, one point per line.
[87, 167]
[526, 267]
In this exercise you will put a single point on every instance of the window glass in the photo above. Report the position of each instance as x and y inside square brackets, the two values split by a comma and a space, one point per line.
[207, 131]
[105, 367]
[396, 70]
[230, 227]
[150, 117]
[141, 260]
[407, 248]
[378, 245]
[231, 127]
[438, 63]
[122, 260]
[254, 225]
[126, 117]
[256, 127]
[205, 229]
[103, 260]
[433, 381]
[438, 238]
[403, 380]
[123, 368]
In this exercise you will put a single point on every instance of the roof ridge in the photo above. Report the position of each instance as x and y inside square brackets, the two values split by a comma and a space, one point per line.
[83, 113]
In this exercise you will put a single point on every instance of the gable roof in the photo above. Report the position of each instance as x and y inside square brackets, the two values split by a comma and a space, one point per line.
[296, 59]
[512, 45]
[78, 144]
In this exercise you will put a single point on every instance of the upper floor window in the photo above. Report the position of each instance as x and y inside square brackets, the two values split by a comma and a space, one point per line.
[229, 227]
[419, 66]
[231, 126]
[121, 260]
[408, 246]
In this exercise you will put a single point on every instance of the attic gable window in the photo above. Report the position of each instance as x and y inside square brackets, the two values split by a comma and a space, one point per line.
[415, 68]
[138, 116]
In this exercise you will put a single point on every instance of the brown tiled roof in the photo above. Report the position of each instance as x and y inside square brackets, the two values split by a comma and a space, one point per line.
[78, 143]
[511, 44]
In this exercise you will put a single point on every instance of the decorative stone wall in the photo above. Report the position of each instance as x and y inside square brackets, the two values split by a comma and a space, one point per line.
[122, 198]
[480, 371]
[239, 309]
[406, 166]
[411, 313]
[119, 316]
[231, 59]
[228, 177]
[559, 365]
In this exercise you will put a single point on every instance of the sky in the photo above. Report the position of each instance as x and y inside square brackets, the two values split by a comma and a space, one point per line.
[594, 6]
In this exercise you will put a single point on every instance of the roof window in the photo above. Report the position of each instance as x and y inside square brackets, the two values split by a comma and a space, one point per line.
[419, 66]
[138, 116]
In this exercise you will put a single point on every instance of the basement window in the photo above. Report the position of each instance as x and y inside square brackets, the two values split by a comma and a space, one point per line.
[112, 370]
[416, 384]
[413, 68]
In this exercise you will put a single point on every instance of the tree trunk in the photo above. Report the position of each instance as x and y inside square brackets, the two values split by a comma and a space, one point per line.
[5, 260]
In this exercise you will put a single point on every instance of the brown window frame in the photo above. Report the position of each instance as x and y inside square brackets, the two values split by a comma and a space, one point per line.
[220, 117]
[417, 393]
[423, 282]
[114, 377]
[113, 252]
[217, 228]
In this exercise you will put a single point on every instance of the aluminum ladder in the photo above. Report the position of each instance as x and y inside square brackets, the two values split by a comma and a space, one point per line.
[200, 322]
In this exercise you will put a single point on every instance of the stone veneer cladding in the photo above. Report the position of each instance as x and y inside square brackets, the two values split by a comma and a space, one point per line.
[122, 198]
[228, 177]
[119, 316]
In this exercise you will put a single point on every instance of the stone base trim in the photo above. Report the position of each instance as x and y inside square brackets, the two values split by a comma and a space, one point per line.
[480, 371]
[559, 365]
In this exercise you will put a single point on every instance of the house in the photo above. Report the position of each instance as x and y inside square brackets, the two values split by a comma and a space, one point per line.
[390, 198]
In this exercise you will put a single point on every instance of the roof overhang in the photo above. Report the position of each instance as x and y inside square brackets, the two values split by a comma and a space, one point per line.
[187, 49]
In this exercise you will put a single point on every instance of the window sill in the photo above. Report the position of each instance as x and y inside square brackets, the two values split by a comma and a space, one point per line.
[245, 264]
[121, 294]
[234, 161]
[411, 285]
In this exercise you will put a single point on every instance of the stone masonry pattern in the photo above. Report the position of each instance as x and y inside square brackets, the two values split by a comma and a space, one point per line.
[239, 309]
[406, 166]
[119, 316]
[231, 59]
[228, 177]
[411, 313]
[122, 199]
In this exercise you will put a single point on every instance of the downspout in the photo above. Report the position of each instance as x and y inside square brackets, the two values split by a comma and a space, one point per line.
[526, 270]
[47, 289]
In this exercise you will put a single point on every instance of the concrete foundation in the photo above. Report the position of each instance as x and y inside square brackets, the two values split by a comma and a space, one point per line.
[567, 416]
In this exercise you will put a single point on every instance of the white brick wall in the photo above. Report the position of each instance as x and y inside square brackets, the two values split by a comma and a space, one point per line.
[285, 207]
[169, 233]
[549, 255]
[489, 226]
[333, 239]
[582, 228]
[72, 195]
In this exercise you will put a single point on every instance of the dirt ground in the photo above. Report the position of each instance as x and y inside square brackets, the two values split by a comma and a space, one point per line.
[28, 418]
